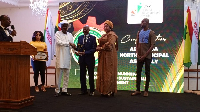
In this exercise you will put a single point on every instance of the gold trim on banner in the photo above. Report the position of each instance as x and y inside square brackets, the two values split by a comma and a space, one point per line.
[73, 11]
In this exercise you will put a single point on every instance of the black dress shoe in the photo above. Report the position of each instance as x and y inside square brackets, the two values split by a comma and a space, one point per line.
[112, 94]
[83, 93]
[91, 94]
[66, 94]
[56, 94]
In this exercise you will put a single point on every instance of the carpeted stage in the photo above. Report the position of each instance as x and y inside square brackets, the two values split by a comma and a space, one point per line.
[121, 102]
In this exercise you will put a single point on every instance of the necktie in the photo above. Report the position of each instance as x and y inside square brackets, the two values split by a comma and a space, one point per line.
[6, 28]
[84, 39]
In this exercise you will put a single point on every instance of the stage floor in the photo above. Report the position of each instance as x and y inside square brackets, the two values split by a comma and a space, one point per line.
[121, 102]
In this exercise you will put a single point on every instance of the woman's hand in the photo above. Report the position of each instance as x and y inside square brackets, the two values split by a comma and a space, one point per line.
[32, 57]
[98, 48]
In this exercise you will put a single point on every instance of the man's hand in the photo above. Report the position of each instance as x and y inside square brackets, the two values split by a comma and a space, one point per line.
[141, 58]
[73, 45]
[77, 53]
[138, 56]
[81, 53]
[13, 33]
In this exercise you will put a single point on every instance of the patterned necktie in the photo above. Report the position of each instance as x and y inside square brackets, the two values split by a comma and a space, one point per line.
[84, 39]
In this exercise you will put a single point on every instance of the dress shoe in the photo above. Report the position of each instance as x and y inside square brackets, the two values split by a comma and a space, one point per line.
[107, 95]
[146, 94]
[56, 94]
[83, 93]
[37, 89]
[136, 93]
[43, 88]
[91, 94]
[66, 94]
[112, 94]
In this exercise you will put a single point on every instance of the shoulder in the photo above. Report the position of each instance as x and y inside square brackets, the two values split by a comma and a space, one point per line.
[91, 36]
[81, 36]
[70, 34]
[44, 43]
[151, 33]
[31, 42]
[58, 33]
[113, 34]
[103, 35]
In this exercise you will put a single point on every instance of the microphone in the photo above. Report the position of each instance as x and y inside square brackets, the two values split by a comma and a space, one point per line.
[12, 27]
[13, 30]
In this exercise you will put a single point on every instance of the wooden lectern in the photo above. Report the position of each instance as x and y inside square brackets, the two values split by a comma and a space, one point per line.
[15, 74]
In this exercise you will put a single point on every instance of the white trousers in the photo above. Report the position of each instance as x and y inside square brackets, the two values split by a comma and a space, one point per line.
[59, 73]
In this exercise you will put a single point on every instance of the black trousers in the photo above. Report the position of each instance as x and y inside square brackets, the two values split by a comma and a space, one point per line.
[90, 68]
[40, 66]
[147, 73]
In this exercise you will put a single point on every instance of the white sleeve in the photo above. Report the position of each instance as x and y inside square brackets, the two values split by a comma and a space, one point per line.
[71, 38]
[59, 41]
[71, 41]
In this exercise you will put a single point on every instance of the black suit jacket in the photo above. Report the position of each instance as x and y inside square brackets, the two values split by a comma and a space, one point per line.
[4, 37]
[89, 47]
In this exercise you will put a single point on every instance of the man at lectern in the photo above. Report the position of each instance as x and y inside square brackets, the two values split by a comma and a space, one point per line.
[5, 33]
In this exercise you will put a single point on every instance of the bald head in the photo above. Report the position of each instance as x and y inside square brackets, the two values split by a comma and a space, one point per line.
[86, 26]
[145, 23]
[86, 29]
[5, 20]
[146, 19]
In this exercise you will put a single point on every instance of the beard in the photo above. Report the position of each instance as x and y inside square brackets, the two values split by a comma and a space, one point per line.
[143, 26]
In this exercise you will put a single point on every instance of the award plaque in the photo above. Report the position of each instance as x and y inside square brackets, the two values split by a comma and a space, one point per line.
[80, 48]
[41, 56]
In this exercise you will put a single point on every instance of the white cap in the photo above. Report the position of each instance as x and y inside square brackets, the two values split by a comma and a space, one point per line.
[64, 22]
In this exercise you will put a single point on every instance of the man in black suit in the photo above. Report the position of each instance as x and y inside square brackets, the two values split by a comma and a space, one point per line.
[86, 48]
[5, 33]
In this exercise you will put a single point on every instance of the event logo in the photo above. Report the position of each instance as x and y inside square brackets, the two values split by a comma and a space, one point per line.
[93, 31]
[134, 12]
[140, 9]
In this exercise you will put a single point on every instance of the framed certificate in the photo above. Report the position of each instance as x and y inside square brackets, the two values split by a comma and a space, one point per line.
[41, 56]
